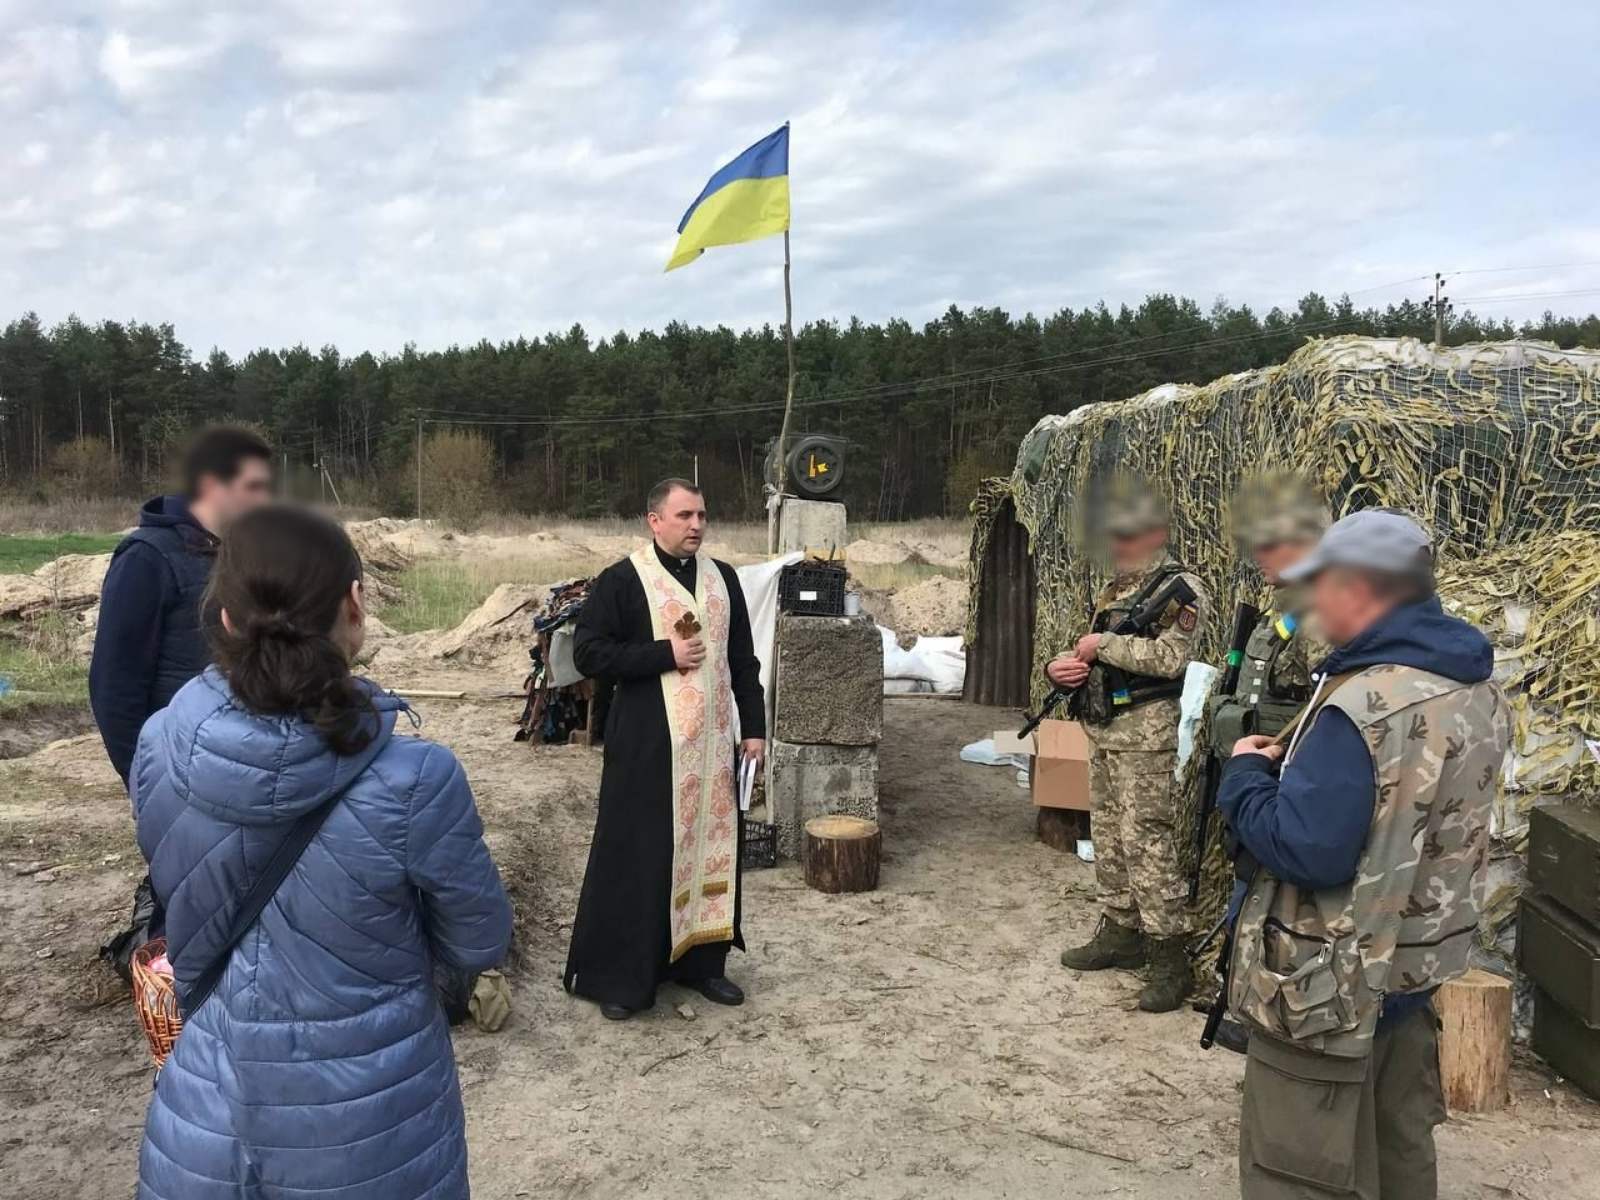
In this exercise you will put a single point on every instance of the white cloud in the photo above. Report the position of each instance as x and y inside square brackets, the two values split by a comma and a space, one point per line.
[141, 67]
[381, 171]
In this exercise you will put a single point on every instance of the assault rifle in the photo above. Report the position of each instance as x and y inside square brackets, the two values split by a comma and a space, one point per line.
[1219, 1006]
[1244, 623]
[1140, 617]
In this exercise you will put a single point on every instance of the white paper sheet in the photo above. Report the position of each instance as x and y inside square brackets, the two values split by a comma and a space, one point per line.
[747, 782]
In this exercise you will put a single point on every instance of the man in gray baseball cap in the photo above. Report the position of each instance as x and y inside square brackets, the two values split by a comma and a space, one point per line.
[1378, 541]
[1368, 822]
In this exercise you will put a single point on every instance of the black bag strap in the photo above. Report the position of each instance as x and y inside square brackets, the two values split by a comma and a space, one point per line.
[258, 897]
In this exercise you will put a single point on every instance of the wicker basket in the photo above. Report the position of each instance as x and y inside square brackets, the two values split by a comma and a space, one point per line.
[155, 999]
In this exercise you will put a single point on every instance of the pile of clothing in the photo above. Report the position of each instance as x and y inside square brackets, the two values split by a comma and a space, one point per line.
[560, 701]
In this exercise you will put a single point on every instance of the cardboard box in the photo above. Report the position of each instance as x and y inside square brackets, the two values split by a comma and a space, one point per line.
[1060, 772]
[1006, 741]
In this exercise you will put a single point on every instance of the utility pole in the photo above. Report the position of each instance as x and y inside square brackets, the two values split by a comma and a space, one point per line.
[419, 466]
[1439, 301]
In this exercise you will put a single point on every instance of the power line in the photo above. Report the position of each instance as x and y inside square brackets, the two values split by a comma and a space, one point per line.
[886, 391]
[1529, 296]
[1567, 266]
[980, 375]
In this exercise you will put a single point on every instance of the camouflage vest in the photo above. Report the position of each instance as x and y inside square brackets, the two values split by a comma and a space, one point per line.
[1313, 967]
[1263, 702]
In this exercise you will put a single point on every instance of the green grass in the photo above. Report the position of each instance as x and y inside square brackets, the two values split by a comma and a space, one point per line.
[38, 661]
[22, 553]
[439, 594]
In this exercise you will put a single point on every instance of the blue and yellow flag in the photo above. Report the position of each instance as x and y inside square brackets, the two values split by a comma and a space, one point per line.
[747, 199]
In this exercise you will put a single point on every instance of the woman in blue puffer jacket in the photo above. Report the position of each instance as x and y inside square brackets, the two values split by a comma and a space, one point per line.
[321, 1066]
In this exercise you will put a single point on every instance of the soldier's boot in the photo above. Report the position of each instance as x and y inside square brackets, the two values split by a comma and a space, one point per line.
[1113, 945]
[1170, 977]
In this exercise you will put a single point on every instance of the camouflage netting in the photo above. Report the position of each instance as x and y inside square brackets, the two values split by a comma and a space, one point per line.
[1495, 446]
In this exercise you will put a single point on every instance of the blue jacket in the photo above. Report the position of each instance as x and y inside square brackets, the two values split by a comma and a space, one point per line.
[150, 641]
[322, 1064]
[1309, 826]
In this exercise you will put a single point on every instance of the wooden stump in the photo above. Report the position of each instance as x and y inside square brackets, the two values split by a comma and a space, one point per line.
[1060, 828]
[840, 854]
[1475, 1041]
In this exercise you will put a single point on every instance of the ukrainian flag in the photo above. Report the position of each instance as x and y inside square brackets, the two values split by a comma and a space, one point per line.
[747, 199]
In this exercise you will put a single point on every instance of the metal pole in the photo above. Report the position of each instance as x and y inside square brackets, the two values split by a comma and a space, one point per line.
[1438, 311]
[788, 399]
[419, 466]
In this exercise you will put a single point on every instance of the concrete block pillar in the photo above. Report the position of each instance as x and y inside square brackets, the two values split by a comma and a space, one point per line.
[814, 781]
[810, 525]
[829, 681]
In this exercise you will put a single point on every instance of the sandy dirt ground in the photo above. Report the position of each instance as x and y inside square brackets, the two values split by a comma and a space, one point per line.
[921, 1041]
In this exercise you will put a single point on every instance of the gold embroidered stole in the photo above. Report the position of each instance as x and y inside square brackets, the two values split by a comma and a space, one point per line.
[700, 726]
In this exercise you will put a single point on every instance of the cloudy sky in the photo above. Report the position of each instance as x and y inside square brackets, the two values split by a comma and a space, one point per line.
[373, 172]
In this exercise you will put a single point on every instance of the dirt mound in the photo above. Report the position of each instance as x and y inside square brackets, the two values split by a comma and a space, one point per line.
[66, 584]
[381, 545]
[501, 620]
[879, 553]
[873, 552]
[24, 733]
[936, 607]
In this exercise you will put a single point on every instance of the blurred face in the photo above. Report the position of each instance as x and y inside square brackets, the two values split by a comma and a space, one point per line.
[679, 526]
[1344, 604]
[219, 503]
[1274, 558]
[1130, 552]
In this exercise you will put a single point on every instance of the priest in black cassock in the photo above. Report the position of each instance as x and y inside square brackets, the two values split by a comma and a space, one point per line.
[661, 896]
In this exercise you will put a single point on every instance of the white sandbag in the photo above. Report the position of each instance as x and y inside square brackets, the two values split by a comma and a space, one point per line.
[902, 664]
[945, 660]
[1197, 683]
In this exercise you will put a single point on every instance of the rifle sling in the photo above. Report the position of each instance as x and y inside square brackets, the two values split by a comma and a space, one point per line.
[1330, 685]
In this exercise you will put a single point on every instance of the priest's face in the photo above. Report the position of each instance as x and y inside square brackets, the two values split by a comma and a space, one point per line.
[679, 523]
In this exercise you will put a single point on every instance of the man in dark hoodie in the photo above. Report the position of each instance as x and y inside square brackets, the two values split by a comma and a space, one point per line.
[151, 640]
[1368, 820]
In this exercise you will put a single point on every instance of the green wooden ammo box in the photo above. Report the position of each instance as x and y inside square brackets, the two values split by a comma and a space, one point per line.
[1564, 858]
[1562, 955]
[1570, 1047]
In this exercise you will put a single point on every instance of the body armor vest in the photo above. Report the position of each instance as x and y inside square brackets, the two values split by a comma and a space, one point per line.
[1261, 703]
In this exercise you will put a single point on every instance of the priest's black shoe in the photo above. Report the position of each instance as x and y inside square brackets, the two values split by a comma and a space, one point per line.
[615, 1012]
[720, 991]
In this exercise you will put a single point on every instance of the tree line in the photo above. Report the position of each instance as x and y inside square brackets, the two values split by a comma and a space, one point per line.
[581, 426]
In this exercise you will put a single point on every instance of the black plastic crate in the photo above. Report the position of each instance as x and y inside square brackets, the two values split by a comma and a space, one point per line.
[813, 589]
[760, 845]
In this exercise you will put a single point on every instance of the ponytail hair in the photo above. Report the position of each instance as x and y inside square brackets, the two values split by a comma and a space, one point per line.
[283, 576]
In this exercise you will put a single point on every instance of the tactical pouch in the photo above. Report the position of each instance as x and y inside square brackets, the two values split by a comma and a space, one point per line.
[1272, 716]
[1303, 1000]
[1230, 721]
[1092, 702]
[1302, 1114]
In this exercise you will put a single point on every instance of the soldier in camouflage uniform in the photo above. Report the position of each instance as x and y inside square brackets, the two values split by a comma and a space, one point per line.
[1278, 524]
[1371, 845]
[1278, 527]
[1131, 721]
